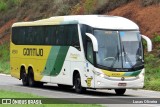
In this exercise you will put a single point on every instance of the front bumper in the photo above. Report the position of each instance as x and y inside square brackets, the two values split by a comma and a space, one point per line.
[114, 83]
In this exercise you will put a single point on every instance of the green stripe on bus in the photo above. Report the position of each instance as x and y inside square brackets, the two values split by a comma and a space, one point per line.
[59, 60]
[55, 60]
[51, 60]
[134, 73]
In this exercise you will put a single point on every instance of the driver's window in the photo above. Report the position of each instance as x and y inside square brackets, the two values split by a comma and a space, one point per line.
[90, 52]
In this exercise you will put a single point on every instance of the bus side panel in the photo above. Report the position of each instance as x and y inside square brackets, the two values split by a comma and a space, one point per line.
[73, 61]
[64, 76]
[14, 61]
[61, 66]
[29, 56]
[15, 68]
[78, 63]
[89, 80]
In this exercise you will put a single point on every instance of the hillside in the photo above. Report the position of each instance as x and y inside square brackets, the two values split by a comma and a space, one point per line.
[148, 18]
[145, 13]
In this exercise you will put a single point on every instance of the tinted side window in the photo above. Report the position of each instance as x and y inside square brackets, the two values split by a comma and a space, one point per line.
[73, 37]
[35, 35]
[50, 35]
[28, 35]
[18, 35]
[62, 35]
[85, 29]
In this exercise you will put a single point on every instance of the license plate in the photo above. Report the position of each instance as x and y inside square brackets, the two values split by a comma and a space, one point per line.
[122, 84]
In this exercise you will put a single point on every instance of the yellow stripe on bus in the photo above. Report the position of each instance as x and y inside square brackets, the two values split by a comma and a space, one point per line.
[113, 74]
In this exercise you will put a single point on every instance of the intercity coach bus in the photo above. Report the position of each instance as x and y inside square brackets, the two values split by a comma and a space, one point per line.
[81, 51]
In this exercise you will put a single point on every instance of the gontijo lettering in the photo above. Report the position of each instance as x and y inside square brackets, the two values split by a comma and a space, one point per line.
[32, 52]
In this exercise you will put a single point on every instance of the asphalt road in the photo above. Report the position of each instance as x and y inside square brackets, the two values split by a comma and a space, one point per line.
[52, 91]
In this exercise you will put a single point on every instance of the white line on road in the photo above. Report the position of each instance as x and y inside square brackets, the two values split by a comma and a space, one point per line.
[152, 105]
[5, 75]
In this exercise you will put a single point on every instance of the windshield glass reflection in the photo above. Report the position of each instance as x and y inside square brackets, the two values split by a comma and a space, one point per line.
[119, 49]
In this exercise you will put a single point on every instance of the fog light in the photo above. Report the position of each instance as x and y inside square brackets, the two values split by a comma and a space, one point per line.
[102, 75]
[98, 83]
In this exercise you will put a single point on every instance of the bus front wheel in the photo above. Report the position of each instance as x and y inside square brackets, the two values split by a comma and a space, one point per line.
[77, 83]
[120, 91]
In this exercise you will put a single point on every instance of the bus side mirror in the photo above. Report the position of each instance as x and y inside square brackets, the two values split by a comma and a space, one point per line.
[149, 43]
[94, 41]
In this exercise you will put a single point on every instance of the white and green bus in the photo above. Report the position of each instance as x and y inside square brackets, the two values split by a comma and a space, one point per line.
[83, 51]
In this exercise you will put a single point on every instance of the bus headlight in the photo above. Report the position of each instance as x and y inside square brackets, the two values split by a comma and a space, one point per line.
[99, 74]
[102, 75]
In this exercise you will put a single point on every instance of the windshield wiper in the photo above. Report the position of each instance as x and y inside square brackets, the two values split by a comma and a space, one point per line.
[116, 57]
[126, 57]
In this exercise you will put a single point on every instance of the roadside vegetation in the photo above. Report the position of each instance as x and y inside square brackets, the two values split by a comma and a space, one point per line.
[4, 58]
[11, 94]
[149, 2]
[152, 66]
[8, 4]
[97, 6]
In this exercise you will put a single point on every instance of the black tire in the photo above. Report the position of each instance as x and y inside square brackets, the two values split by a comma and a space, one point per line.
[120, 91]
[65, 86]
[39, 84]
[77, 83]
[24, 77]
[31, 81]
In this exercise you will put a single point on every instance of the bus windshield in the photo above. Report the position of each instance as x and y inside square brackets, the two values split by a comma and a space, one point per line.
[119, 49]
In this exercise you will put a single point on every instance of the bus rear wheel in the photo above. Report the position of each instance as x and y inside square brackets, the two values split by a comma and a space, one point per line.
[77, 83]
[24, 77]
[120, 91]
[39, 84]
[31, 78]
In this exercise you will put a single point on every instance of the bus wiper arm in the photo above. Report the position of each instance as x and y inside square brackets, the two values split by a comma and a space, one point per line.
[126, 57]
[116, 57]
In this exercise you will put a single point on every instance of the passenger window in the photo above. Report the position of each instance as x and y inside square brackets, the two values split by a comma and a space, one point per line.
[61, 35]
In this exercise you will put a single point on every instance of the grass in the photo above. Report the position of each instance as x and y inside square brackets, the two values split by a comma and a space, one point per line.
[156, 38]
[4, 58]
[152, 75]
[11, 94]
